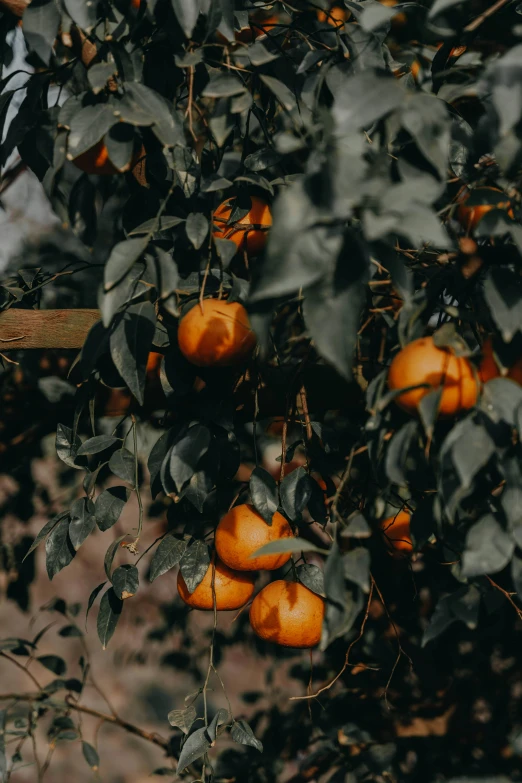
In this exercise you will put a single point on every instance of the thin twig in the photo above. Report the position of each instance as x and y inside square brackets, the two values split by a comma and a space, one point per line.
[400, 649]
[472, 26]
[347, 656]
[507, 595]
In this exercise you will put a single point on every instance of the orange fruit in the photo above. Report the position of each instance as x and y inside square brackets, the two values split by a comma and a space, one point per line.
[422, 362]
[115, 402]
[337, 16]
[397, 532]
[489, 368]
[135, 4]
[96, 161]
[470, 216]
[249, 233]
[232, 590]
[415, 69]
[216, 333]
[288, 613]
[242, 531]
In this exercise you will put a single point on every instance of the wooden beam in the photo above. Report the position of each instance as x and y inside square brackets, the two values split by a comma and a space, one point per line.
[22, 329]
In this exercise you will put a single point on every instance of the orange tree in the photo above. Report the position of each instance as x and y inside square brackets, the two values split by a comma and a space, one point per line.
[307, 211]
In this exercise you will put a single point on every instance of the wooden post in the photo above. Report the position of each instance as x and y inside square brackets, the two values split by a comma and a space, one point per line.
[22, 329]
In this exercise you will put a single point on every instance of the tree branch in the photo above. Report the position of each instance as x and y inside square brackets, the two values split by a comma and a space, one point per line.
[156, 739]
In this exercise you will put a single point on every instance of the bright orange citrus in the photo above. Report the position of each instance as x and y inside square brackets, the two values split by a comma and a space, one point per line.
[243, 531]
[470, 216]
[422, 362]
[216, 333]
[250, 232]
[288, 613]
[397, 532]
[489, 368]
[337, 16]
[96, 160]
[233, 590]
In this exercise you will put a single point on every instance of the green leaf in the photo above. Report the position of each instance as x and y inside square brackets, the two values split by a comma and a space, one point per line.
[130, 343]
[503, 293]
[243, 735]
[295, 492]
[301, 248]
[88, 126]
[100, 73]
[70, 631]
[311, 577]
[183, 719]
[263, 492]
[154, 225]
[488, 548]
[365, 98]
[40, 26]
[356, 565]
[121, 259]
[84, 15]
[196, 227]
[122, 464]
[92, 598]
[332, 314]
[90, 755]
[223, 86]
[167, 555]
[182, 460]
[82, 521]
[97, 444]
[187, 14]
[125, 581]
[284, 95]
[110, 554]
[288, 545]
[356, 526]
[194, 564]
[50, 525]
[195, 746]
[109, 505]
[140, 101]
[54, 663]
[67, 446]
[108, 616]
[59, 550]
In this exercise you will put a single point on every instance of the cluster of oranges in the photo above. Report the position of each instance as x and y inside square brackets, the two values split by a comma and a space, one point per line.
[286, 613]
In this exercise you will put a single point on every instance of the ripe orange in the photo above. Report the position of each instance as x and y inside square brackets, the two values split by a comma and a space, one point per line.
[422, 362]
[96, 160]
[470, 216]
[216, 334]
[288, 613]
[337, 16]
[232, 590]
[397, 532]
[489, 368]
[242, 531]
[247, 233]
